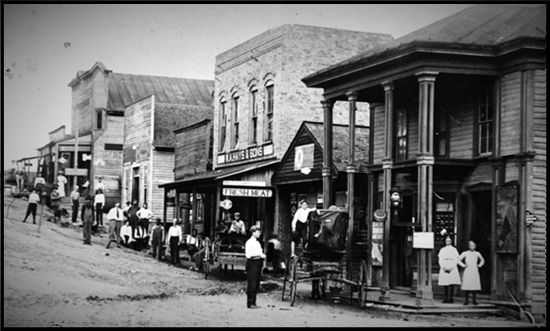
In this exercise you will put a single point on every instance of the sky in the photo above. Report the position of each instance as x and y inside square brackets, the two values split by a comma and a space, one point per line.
[45, 46]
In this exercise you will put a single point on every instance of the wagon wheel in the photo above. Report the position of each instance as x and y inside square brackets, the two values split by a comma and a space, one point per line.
[362, 284]
[294, 282]
[285, 280]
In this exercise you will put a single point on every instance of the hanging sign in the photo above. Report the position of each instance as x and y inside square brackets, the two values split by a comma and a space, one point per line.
[226, 204]
[303, 156]
[423, 240]
[377, 241]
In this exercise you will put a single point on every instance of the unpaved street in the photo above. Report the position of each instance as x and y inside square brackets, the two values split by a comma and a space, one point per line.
[52, 279]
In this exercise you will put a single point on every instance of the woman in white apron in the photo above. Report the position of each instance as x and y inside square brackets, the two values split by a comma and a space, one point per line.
[448, 272]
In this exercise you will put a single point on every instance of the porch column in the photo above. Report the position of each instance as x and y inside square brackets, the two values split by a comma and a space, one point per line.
[387, 166]
[327, 154]
[425, 161]
[351, 169]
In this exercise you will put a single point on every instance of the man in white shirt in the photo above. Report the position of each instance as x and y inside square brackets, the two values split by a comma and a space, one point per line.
[174, 239]
[34, 199]
[75, 202]
[254, 263]
[126, 233]
[192, 243]
[299, 226]
[100, 185]
[99, 202]
[115, 217]
[145, 215]
[237, 226]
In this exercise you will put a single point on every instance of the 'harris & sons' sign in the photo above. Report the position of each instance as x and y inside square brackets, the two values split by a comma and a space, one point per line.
[245, 154]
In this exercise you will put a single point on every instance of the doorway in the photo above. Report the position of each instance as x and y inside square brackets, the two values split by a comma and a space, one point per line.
[135, 186]
[481, 234]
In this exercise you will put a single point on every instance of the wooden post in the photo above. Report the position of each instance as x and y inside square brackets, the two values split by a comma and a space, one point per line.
[327, 153]
[351, 170]
[387, 165]
[425, 161]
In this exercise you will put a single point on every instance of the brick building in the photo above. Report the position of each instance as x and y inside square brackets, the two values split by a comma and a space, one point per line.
[259, 104]
[458, 124]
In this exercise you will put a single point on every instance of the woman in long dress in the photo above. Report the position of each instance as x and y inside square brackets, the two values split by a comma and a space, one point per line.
[61, 181]
[470, 280]
[448, 272]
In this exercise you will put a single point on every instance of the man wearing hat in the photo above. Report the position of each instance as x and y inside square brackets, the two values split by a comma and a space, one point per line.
[87, 216]
[237, 226]
[254, 263]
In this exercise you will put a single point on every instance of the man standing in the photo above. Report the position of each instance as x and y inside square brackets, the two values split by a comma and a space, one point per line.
[174, 239]
[299, 226]
[115, 216]
[237, 226]
[87, 216]
[75, 201]
[254, 263]
[157, 234]
[99, 203]
[55, 200]
[145, 215]
[34, 199]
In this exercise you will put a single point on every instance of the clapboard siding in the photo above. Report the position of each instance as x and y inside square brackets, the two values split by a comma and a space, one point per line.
[412, 117]
[286, 171]
[191, 152]
[379, 129]
[512, 171]
[510, 113]
[82, 104]
[162, 172]
[538, 230]
[462, 130]
[108, 163]
[137, 122]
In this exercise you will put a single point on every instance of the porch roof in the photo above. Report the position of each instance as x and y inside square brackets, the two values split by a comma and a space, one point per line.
[480, 29]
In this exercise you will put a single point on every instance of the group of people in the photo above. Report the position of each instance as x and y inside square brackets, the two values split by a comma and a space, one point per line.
[449, 276]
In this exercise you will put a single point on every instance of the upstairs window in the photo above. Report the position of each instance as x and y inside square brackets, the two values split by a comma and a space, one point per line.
[440, 134]
[401, 132]
[223, 125]
[99, 119]
[268, 130]
[253, 117]
[235, 138]
[485, 123]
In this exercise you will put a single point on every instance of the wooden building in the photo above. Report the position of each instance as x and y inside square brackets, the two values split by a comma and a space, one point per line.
[458, 123]
[299, 177]
[259, 104]
[149, 140]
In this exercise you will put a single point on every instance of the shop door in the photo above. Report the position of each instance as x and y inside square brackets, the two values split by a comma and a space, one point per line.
[481, 234]
[135, 186]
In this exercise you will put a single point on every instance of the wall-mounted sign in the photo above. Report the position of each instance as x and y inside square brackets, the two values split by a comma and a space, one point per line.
[245, 154]
[424, 240]
[377, 241]
[112, 183]
[226, 204]
[244, 183]
[76, 172]
[303, 156]
[247, 192]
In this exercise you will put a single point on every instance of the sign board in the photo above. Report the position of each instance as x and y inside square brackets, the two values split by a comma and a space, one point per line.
[244, 183]
[76, 172]
[112, 183]
[247, 192]
[245, 154]
[424, 240]
[226, 204]
[377, 241]
[303, 156]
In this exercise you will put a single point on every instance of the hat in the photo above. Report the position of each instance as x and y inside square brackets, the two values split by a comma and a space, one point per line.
[254, 228]
[60, 172]
[237, 213]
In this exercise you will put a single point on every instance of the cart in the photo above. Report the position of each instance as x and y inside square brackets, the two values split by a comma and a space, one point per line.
[227, 250]
[322, 258]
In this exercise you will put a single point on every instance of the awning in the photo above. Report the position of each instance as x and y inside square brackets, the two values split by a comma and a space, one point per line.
[208, 179]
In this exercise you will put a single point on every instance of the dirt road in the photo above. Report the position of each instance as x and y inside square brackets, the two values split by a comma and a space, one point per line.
[52, 279]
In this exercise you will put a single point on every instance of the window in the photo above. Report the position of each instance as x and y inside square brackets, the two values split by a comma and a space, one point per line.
[440, 133]
[485, 123]
[268, 132]
[401, 135]
[253, 118]
[223, 125]
[235, 138]
[99, 118]
[113, 147]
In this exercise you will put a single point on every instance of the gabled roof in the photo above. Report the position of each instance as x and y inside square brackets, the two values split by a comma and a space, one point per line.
[340, 137]
[485, 25]
[127, 88]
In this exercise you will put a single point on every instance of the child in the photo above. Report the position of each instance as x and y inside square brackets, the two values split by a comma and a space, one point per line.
[471, 281]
